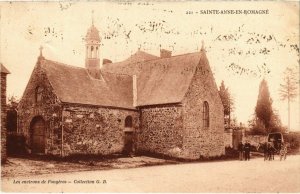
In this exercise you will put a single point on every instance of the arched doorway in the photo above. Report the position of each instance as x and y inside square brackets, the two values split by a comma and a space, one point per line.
[37, 135]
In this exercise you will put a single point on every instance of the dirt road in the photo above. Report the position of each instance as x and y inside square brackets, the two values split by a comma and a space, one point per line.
[222, 176]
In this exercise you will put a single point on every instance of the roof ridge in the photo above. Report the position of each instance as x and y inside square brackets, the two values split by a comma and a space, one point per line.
[145, 53]
[117, 73]
[159, 58]
[173, 56]
[63, 64]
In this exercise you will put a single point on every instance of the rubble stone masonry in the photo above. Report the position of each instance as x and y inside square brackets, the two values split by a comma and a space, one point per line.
[3, 117]
[95, 130]
[200, 141]
[161, 130]
[49, 108]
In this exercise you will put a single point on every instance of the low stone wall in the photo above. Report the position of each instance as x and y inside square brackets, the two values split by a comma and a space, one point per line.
[95, 130]
[255, 139]
[161, 130]
[228, 139]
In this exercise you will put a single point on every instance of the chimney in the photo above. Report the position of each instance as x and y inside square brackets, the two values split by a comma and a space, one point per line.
[165, 53]
[134, 90]
[106, 61]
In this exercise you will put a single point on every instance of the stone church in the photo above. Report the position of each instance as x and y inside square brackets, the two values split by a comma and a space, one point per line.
[165, 104]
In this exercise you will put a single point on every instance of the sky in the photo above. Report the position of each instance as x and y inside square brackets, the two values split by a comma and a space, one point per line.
[242, 48]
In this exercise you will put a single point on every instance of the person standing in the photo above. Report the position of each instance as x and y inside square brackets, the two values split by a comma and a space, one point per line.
[266, 153]
[247, 147]
[241, 149]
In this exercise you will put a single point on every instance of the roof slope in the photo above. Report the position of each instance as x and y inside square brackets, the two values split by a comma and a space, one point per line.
[74, 85]
[4, 69]
[131, 64]
[160, 80]
[166, 80]
[140, 56]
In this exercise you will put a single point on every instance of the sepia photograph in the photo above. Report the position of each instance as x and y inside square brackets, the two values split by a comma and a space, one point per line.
[150, 96]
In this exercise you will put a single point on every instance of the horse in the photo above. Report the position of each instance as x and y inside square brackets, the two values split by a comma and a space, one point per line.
[283, 151]
[264, 146]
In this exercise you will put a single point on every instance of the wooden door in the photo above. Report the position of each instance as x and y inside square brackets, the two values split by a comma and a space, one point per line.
[38, 136]
[128, 144]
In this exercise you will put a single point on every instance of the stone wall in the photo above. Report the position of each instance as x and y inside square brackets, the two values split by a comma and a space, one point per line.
[3, 117]
[95, 130]
[48, 108]
[161, 130]
[200, 141]
[228, 141]
[255, 139]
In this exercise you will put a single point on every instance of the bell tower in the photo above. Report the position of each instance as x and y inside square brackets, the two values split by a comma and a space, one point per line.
[92, 58]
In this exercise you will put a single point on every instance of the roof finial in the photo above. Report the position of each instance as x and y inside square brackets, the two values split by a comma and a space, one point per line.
[41, 57]
[92, 17]
[202, 45]
[41, 50]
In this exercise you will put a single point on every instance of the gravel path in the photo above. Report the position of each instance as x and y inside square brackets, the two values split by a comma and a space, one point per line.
[221, 176]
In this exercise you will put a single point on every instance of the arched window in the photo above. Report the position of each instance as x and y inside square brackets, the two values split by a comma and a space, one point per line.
[38, 94]
[128, 122]
[97, 52]
[92, 52]
[205, 114]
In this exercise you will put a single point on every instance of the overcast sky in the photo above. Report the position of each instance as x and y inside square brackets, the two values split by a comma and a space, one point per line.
[242, 48]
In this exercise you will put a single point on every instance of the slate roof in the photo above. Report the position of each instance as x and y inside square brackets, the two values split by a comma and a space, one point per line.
[159, 81]
[4, 69]
[126, 66]
[166, 80]
[93, 34]
[74, 85]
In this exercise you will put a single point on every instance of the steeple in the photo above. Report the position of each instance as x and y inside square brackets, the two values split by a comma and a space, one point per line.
[92, 59]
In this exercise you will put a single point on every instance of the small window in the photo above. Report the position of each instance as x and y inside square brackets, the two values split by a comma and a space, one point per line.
[205, 113]
[92, 52]
[128, 122]
[38, 94]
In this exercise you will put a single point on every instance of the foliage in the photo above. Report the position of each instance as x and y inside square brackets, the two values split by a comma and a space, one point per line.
[16, 144]
[227, 102]
[293, 139]
[256, 127]
[11, 114]
[289, 88]
[265, 120]
[263, 109]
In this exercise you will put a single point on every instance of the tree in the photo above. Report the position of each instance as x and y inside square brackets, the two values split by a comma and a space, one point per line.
[288, 88]
[11, 115]
[276, 125]
[263, 109]
[227, 102]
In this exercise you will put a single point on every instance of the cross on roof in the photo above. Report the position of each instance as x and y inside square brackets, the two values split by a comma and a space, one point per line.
[92, 17]
[202, 45]
[41, 50]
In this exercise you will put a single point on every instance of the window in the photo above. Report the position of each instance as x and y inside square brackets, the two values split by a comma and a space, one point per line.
[128, 122]
[205, 115]
[92, 52]
[38, 94]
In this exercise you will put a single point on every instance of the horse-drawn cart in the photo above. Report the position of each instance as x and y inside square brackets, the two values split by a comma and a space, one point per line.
[276, 145]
